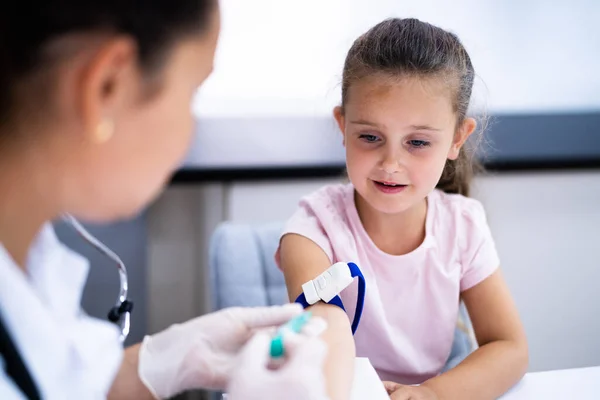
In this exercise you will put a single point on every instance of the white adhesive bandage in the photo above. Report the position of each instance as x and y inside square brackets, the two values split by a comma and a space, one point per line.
[329, 284]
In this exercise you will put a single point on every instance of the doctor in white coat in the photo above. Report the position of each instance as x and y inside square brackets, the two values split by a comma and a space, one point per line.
[94, 117]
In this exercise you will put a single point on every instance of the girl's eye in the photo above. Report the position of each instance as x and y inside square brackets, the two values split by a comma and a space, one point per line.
[369, 138]
[418, 143]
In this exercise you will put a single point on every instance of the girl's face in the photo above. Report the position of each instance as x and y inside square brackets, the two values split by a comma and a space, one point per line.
[398, 134]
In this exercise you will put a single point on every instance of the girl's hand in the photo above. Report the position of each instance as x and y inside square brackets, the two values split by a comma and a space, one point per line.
[405, 392]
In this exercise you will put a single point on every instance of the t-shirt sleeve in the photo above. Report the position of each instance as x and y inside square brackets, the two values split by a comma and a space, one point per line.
[305, 222]
[480, 258]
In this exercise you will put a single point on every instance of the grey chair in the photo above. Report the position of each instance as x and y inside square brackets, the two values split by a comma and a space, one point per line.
[243, 273]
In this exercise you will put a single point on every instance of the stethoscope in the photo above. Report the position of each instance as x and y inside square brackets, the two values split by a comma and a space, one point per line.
[120, 314]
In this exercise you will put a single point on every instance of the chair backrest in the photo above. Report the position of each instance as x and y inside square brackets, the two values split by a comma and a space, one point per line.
[242, 266]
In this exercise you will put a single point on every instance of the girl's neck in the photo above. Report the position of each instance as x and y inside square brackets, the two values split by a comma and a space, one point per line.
[395, 234]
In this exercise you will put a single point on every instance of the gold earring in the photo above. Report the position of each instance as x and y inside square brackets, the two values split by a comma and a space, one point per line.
[105, 130]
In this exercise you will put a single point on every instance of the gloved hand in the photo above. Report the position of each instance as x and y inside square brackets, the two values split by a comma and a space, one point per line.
[300, 378]
[201, 353]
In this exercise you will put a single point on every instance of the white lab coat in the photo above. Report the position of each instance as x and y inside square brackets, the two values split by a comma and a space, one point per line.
[69, 354]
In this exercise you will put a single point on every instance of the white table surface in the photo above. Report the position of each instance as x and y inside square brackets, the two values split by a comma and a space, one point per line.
[567, 384]
[578, 383]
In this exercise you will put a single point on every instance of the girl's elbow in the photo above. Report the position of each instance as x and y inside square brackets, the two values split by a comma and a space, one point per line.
[521, 354]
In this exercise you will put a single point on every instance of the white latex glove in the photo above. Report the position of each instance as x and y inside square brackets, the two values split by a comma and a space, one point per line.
[300, 378]
[201, 353]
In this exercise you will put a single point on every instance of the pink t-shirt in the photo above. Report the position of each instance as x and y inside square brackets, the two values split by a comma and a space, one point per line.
[411, 304]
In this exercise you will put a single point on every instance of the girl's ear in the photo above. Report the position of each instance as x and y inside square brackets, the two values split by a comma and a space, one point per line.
[338, 114]
[464, 131]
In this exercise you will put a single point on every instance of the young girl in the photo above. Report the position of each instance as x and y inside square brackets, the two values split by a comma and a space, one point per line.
[405, 220]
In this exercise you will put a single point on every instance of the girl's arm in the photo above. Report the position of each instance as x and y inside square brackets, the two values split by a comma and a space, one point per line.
[302, 260]
[502, 358]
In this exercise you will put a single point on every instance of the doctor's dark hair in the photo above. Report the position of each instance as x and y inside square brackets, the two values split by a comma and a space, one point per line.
[411, 48]
[29, 28]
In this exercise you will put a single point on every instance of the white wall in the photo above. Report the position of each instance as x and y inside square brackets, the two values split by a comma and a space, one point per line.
[547, 228]
[246, 200]
[285, 57]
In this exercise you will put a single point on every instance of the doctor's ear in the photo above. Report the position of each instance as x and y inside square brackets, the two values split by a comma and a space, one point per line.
[107, 80]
